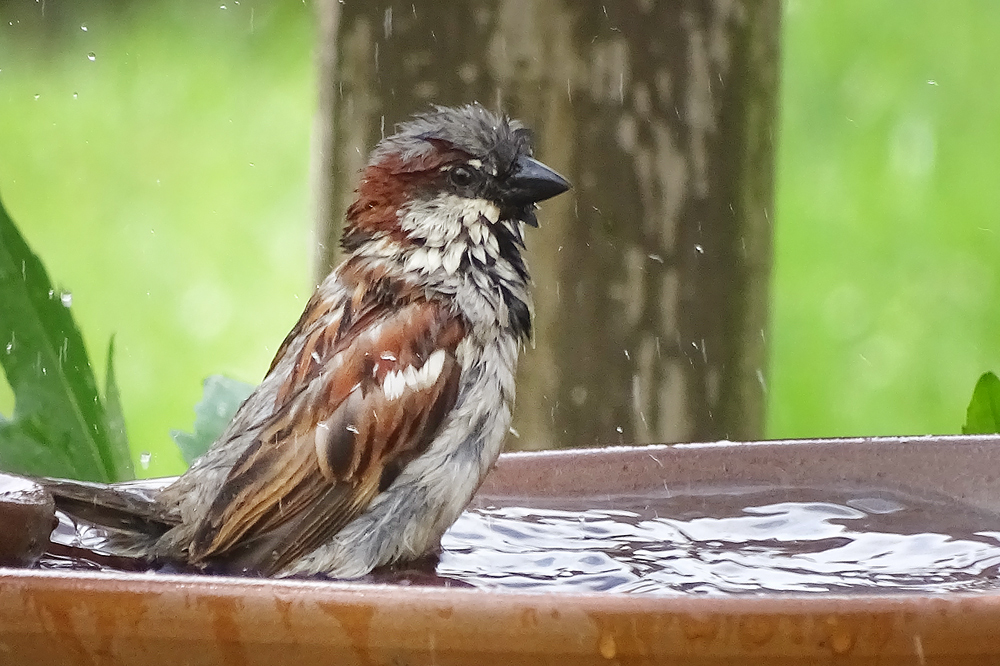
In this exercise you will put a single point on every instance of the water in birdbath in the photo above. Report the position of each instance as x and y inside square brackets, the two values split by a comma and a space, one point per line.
[746, 541]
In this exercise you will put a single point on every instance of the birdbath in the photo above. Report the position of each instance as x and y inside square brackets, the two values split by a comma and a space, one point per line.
[781, 552]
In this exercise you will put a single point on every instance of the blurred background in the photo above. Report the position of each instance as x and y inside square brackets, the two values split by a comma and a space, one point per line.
[157, 156]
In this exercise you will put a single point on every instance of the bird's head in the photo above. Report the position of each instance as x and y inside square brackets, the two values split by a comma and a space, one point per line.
[451, 189]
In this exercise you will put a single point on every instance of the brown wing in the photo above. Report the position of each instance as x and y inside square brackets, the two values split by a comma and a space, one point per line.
[360, 403]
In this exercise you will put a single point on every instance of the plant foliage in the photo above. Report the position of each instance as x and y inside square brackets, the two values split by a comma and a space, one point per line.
[61, 425]
[983, 416]
[220, 399]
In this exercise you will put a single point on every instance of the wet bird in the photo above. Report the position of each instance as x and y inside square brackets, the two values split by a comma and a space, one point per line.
[389, 400]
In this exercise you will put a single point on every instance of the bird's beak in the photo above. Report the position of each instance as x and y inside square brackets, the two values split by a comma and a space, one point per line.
[532, 181]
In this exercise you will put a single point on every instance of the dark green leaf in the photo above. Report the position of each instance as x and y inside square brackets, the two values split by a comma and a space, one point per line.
[117, 435]
[21, 448]
[59, 425]
[221, 397]
[983, 416]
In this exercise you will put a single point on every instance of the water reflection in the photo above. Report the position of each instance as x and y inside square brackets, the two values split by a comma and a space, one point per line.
[810, 541]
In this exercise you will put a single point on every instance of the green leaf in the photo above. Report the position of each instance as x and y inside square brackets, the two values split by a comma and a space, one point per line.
[221, 397]
[22, 447]
[117, 434]
[59, 426]
[983, 416]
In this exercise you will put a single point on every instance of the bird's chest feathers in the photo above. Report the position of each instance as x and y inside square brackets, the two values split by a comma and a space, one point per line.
[465, 251]
[487, 388]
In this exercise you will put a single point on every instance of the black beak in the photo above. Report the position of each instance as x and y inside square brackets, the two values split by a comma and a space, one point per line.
[531, 182]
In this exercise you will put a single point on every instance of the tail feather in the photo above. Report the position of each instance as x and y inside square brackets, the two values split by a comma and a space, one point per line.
[123, 519]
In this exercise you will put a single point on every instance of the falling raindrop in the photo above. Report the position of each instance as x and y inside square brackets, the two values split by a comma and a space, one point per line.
[144, 459]
[91, 56]
[66, 298]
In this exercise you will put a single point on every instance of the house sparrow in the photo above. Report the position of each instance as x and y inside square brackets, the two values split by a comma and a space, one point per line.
[389, 400]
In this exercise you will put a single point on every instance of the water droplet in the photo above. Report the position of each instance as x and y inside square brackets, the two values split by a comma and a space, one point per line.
[37, 96]
[387, 23]
[144, 459]
[91, 56]
[222, 6]
[66, 298]
[52, 293]
[620, 430]
[607, 646]
[699, 249]
[84, 28]
[10, 347]
[75, 95]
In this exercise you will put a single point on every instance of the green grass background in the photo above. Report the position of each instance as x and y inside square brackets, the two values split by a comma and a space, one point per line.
[165, 183]
[156, 156]
[887, 239]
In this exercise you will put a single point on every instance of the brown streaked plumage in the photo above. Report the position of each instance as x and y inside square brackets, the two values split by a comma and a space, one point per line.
[334, 440]
[389, 400]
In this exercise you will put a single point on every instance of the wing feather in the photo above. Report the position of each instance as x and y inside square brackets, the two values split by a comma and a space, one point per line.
[358, 405]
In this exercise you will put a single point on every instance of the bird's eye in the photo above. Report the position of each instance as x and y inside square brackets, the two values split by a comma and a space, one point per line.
[462, 176]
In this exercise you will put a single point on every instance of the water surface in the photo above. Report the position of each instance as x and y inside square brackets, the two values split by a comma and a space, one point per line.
[747, 541]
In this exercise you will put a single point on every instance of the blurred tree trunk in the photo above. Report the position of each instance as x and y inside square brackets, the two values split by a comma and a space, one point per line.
[652, 274]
